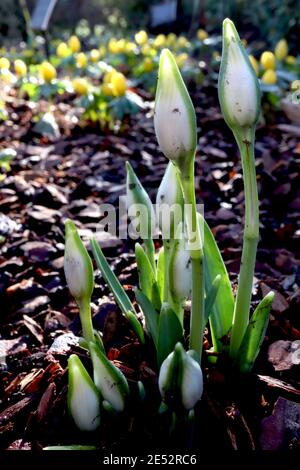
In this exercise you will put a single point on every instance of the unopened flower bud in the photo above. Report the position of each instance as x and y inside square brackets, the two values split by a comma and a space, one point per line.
[238, 87]
[83, 396]
[174, 118]
[77, 264]
[169, 202]
[180, 379]
[109, 380]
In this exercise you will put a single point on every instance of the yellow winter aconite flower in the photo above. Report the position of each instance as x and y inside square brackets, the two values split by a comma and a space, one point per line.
[181, 59]
[118, 82]
[182, 42]
[160, 41]
[80, 86]
[81, 60]
[269, 77]
[268, 60]
[130, 47]
[281, 49]
[148, 64]
[141, 38]
[62, 50]
[107, 89]
[254, 63]
[4, 63]
[171, 39]
[74, 44]
[108, 75]
[291, 59]
[47, 72]
[202, 34]
[95, 55]
[20, 68]
[113, 46]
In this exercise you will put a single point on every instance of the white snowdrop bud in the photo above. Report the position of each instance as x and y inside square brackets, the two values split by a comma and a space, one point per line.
[83, 396]
[174, 118]
[238, 87]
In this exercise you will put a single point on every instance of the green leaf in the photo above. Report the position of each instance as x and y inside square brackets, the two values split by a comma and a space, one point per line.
[170, 332]
[255, 334]
[160, 272]
[147, 281]
[222, 310]
[211, 296]
[151, 315]
[117, 290]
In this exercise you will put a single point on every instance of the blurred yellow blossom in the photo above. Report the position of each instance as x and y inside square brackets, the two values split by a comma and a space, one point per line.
[80, 86]
[113, 46]
[268, 60]
[202, 34]
[74, 44]
[81, 60]
[181, 59]
[95, 55]
[4, 63]
[295, 85]
[107, 89]
[160, 41]
[62, 50]
[148, 64]
[171, 39]
[47, 72]
[254, 63]
[182, 42]
[141, 38]
[281, 49]
[20, 68]
[118, 82]
[130, 47]
[269, 77]
[291, 59]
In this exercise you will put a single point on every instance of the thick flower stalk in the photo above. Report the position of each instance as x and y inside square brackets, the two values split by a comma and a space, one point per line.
[80, 277]
[239, 97]
[176, 132]
[180, 379]
[83, 396]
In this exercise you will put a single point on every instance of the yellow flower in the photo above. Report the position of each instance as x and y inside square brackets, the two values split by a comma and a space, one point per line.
[254, 63]
[141, 38]
[4, 63]
[81, 60]
[108, 75]
[107, 89]
[95, 55]
[202, 34]
[74, 44]
[281, 49]
[171, 39]
[291, 59]
[118, 82]
[121, 46]
[62, 50]
[102, 51]
[181, 59]
[130, 47]
[269, 77]
[20, 68]
[295, 85]
[148, 64]
[160, 41]
[268, 60]
[80, 86]
[182, 42]
[47, 72]
[113, 46]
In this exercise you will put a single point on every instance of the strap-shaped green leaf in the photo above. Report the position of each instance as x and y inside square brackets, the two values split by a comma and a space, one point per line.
[148, 284]
[151, 315]
[160, 272]
[255, 334]
[222, 310]
[211, 296]
[170, 332]
[117, 290]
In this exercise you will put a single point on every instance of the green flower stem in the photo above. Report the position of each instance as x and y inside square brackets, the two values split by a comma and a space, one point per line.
[167, 249]
[196, 253]
[150, 250]
[245, 141]
[84, 306]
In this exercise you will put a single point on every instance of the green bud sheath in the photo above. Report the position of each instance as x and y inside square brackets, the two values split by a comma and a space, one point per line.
[174, 118]
[83, 396]
[80, 277]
